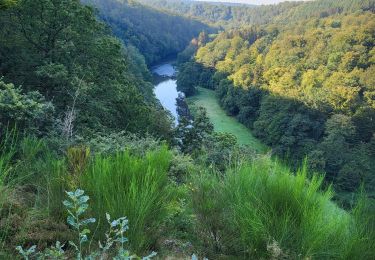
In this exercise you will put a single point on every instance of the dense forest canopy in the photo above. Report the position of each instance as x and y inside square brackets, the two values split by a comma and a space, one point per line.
[156, 34]
[229, 16]
[220, 14]
[305, 88]
[57, 53]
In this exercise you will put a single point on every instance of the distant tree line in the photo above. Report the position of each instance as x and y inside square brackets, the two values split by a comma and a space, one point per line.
[228, 15]
[156, 34]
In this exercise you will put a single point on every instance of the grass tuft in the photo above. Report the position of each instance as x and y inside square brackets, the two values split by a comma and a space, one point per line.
[261, 204]
[125, 184]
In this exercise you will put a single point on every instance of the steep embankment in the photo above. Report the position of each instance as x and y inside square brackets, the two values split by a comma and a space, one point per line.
[156, 34]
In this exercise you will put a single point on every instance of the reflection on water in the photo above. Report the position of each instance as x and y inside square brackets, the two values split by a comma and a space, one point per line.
[165, 70]
[167, 93]
[166, 90]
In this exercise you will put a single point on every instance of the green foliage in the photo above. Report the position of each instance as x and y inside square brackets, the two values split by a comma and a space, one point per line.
[187, 78]
[4, 4]
[35, 180]
[302, 80]
[76, 206]
[287, 81]
[222, 122]
[159, 36]
[28, 168]
[26, 111]
[191, 134]
[122, 141]
[222, 14]
[61, 55]
[232, 15]
[77, 159]
[257, 208]
[7, 152]
[135, 185]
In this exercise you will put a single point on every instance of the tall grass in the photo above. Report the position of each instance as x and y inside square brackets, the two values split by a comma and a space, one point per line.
[7, 152]
[262, 209]
[132, 186]
[31, 188]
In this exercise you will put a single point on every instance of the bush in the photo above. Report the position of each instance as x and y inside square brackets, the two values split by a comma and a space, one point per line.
[29, 111]
[121, 141]
[76, 206]
[261, 209]
[135, 185]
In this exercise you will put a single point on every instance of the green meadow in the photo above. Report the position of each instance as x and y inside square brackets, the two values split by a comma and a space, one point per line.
[222, 122]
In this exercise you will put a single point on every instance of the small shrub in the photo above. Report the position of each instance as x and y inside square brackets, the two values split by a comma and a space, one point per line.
[30, 111]
[181, 167]
[123, 141]
[76, 206]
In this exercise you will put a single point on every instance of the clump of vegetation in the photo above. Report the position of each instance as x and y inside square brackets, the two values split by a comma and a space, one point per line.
[76, 206]
[261, 208]
[133, 185]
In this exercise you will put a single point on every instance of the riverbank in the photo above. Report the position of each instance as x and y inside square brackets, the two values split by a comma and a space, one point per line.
[222, 122]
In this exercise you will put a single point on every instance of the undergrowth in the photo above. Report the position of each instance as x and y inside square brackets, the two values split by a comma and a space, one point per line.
[132, 185]
[256, 209]
[261, 207]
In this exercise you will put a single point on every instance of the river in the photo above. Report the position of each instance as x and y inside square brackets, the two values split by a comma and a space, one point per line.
[166, 90]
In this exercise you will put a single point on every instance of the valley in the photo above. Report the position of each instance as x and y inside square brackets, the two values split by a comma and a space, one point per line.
[180, 129]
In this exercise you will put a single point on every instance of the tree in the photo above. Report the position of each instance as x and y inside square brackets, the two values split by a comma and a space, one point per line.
[59, 49]
[192, 134]
[29, 112]
[4, 4]
[187, 78]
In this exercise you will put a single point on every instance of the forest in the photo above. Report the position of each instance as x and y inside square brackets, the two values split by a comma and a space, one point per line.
[92, 166]
[305, 90]
[157, 35]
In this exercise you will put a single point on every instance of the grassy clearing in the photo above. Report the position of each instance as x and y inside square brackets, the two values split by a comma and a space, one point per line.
[222, 122]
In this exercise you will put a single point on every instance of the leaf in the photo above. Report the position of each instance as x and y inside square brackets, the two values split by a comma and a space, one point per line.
[150, 255]
[31, 249]
[85, 231]
[70, 194]
[78, 193]
[20, 249]
[88, 221]
[122, 240]
[71, 221]
[114, 223]
[83, 239]
[83, 199]
[68, 204]
[73, 245]
[81, 209]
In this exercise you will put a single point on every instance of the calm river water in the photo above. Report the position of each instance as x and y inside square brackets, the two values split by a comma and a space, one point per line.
[166, 90]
